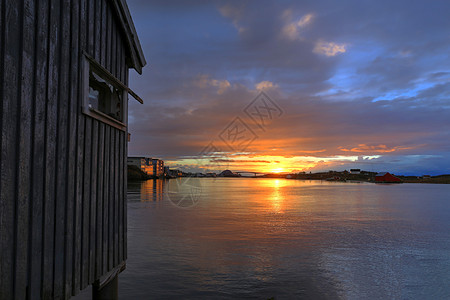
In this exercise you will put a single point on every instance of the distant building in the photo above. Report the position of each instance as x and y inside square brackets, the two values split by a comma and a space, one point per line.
[386, 177]
[143, 163]
[175, 173]
[158, 167]
[355, 171]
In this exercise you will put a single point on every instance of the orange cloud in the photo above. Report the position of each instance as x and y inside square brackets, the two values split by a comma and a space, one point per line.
[376, 148]
[312, 151]
[265, 85]
[244, 161]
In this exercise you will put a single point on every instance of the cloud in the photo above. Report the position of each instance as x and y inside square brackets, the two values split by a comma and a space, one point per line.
[234, 13]
[265, 85]
[202, 75]
[312, 151]
[203, 81]
[244, 161]
[329, 48]
[376, 148]
[292, 30]
[305, 20]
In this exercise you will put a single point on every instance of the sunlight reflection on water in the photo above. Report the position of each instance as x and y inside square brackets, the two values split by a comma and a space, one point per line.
[288, 239]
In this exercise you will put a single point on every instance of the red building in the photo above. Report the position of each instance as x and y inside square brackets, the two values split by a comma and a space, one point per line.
[386, 177]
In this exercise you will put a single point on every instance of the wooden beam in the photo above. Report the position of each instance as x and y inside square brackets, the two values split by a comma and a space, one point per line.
[112, 78]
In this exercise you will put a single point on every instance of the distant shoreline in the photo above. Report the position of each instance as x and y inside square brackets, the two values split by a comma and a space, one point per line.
[135, 174]
[438, 179]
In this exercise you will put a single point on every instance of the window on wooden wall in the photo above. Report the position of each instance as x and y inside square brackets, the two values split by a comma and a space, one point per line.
[105, 97]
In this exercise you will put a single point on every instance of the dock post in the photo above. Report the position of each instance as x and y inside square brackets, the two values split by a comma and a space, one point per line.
[107, 286]
[109, 291]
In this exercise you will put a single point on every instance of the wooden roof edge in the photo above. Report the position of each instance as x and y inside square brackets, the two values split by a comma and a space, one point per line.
[137, 55]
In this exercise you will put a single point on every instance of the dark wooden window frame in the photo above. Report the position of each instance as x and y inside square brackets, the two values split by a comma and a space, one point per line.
[89, 64]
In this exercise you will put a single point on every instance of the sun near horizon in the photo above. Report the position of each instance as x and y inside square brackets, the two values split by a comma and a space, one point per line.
[283, 90]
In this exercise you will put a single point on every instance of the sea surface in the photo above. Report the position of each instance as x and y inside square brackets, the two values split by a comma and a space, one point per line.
[254, 238]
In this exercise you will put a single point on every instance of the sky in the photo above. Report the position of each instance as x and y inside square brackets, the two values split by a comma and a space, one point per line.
[293, 86]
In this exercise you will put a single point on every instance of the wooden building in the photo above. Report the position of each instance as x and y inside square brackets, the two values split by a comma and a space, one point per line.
[386, 177]
[63, 149]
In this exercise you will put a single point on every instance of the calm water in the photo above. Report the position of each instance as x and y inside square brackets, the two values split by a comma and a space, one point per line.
[289, 239]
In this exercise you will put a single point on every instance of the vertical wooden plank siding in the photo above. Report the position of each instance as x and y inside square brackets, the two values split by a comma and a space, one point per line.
[111, 199]
[63, 173]
[86, 203]
[8, 160]
[115, 50]
[3, 243]
[120, 201]
[103, 32]
[93, 200]
[108, 150]
[90, 4]
[121, 154]
[24, 150]
[71, 198]
[37, 168]
[2, 56]
[5, 286]
[51, 136]
[125, 215]
[80, 6]
[83, 149]
[106, 198]
[97, 30]
[116, 199]
[61, 152]
[122, 162]
[113, 47]
[108, 33]
[78, 211]
[99, 208]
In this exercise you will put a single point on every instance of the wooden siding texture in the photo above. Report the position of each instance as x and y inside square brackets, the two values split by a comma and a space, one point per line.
[63, 180]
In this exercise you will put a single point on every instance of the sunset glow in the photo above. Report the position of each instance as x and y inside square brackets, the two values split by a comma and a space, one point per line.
[278, 170]
[346, 86]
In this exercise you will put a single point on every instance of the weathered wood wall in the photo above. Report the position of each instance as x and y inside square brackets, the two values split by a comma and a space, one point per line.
[63, 180]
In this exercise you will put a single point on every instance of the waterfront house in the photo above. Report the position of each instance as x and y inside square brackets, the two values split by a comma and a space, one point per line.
[63, 120]
[386, 177]
[143, 163]
[158, 167]
[175, 173]
[355, 171]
